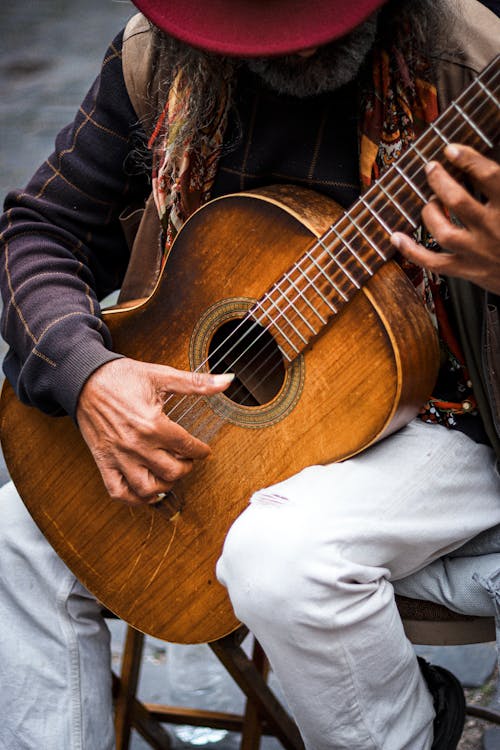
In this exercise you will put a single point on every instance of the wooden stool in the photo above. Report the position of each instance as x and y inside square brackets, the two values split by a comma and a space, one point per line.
[263, 714]
[424, 623]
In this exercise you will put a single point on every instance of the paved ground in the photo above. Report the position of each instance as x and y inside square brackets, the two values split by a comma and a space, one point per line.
[50, 53]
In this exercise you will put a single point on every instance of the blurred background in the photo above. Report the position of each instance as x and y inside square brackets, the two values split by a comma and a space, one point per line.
[50, 52]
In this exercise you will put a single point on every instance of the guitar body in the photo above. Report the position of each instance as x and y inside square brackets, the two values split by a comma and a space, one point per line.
[363, 377]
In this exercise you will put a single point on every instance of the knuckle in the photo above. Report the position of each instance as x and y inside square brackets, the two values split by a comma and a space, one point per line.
[492, 172]
[118, 493]
[444, 236]
[198, 380]
[185, 445]
[172, 471]
[142, 488]
[175, 473]
[459, 203]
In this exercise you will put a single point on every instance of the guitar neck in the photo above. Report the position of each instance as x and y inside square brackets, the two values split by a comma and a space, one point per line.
[298, 306]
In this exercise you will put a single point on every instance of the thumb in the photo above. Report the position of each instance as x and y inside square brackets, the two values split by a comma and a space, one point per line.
[182, 381]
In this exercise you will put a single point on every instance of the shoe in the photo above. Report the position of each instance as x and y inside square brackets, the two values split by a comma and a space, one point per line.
[449, 705]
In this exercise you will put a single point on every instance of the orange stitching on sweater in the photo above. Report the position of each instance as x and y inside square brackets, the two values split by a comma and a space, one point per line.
[58, 173]
[38, 353]
[11, 287]
[61, 155]
[58, 320]
[89, 118]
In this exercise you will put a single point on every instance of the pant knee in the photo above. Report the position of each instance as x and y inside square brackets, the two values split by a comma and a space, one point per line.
[256, 565]
[278, 567]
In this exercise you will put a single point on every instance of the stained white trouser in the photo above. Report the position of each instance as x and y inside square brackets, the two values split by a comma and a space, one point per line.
[310, 567]
[296, 571]
[55, 667]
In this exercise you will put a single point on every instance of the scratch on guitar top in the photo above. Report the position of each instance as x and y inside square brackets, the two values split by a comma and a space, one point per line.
[141, 551]
[70, 545]
[175, 520]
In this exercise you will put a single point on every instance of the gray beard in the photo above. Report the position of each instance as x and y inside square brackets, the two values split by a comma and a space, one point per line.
[331, 67]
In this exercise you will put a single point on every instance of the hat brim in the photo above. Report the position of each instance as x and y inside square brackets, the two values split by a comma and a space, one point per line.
[257, 28]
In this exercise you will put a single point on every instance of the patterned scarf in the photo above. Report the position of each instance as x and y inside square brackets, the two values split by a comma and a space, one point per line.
[182, 183]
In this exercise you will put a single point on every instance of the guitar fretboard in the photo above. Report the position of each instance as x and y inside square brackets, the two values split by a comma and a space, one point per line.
[297, 307]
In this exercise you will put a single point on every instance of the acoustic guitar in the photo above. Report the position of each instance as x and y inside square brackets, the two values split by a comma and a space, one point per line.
[332, 351]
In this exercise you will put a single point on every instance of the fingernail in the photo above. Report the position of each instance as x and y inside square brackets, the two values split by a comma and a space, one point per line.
[430, 167]
[224, 379]
[452, 152]
[396, 240]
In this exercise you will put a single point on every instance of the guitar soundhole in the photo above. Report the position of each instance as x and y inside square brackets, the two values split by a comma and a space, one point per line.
[249, 351]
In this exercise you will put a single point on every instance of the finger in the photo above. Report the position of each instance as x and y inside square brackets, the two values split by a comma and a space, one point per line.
[441, 263]
[119, 489]
[453, 195]
[144, 485]
[170, 380]
[166, 467]
[483, 171]
[447, 234]
[176, 440]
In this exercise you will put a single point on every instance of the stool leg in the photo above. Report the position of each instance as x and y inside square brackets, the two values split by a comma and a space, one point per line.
[252, 724]
[129, 677]
[255, 687]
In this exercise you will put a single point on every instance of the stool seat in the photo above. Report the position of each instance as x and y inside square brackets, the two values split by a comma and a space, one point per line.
[430, 624]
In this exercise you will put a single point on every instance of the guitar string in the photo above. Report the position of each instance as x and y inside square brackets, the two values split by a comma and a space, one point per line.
[363, 212]
[296, 266]
[473, 126]
[255, 309]
[439, 137]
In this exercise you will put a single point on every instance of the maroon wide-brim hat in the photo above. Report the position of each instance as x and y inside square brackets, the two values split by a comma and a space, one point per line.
[255, 28]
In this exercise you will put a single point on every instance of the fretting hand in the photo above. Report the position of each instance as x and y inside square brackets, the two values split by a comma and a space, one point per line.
[139, 451]
[472, 251]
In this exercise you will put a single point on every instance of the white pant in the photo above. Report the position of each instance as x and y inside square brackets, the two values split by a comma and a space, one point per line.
[307, 566]
[310, 567]
[55, 665]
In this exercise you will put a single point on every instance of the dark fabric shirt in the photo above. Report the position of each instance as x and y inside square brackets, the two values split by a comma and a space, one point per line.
[63, 249]
[272, 139]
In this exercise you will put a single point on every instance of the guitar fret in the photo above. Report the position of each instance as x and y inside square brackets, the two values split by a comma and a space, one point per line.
[488, 92]
[282, 312]
[367, 238]
[410, 182]
[473, 125]
[378, 218]
[344, 270]
[292, 302]
[275, 324]
[332, 280]
[346, 242]
[397, 204]
[439, 133]
[316, 289]
[322, 271]
[303, 296]
[296, 309]
[419, 153]
[311, 285]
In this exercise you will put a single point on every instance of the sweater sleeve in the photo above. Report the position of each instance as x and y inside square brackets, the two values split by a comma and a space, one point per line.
[63, 248]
